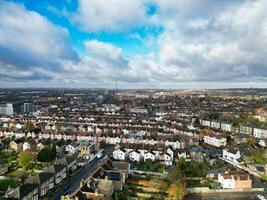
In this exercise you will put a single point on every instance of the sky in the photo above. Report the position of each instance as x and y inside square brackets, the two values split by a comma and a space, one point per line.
[169, 44]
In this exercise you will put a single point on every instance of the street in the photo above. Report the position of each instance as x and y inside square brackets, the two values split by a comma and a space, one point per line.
[85, 172]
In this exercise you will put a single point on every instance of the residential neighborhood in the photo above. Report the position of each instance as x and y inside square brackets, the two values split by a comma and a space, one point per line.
[75, 147]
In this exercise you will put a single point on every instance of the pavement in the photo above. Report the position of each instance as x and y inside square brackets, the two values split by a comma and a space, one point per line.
[83, 174]
[227, 196]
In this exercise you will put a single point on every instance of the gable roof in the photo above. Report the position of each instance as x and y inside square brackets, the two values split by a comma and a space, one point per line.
[59, 167]
[26, 188]
[45, 176]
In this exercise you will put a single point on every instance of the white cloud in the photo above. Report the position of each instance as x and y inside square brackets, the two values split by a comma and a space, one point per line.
[29, 42]
[225, 47]
[105, 62]
[228, 44]
[112, 15]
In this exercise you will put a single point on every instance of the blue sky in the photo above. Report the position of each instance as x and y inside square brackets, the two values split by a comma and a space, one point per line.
[53, 11]
[139, 43]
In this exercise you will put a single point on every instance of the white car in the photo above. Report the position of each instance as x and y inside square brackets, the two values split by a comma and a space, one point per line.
[261, 197]
[99, 155]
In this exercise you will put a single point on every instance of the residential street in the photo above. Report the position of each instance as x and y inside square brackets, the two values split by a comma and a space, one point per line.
[85, 172]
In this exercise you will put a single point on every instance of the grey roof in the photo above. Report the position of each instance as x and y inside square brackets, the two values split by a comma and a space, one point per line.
[59, 167]
[112, 175]
[71, 158]
[75, 144]
[120, 165]
[45, 176]
[233, 150]
[26, 188]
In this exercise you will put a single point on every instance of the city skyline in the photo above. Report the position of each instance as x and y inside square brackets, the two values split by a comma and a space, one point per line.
[164, 44]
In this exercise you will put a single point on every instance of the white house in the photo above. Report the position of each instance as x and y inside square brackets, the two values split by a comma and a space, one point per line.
[205, 122]
[227, 181]
[141, 152]
[134, 156]
[18, 126]
[246, 130]
[167, 159]
[215, 124]
[40, 146]
[235, 180]
[170, 152]
[226, 126]
[259, 133]
[26, 146]
[175, 145]
[119, 154]
[215, 140]
[19, 135]
[262, 143]
[73, 147]
[125, 132]
[113, 140]
[182, 154]
[231, 155]
[138, 110]
[149, 155]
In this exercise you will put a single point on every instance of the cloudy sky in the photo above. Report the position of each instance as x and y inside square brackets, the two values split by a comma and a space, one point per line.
[139, 43]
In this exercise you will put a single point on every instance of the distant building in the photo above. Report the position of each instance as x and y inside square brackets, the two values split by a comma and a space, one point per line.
[215, 140]
[215, 124]
[138, 110]
[27, 108]
[226, 126]
[205, 122]
[6, 109]
[260, 133]
[246, 130]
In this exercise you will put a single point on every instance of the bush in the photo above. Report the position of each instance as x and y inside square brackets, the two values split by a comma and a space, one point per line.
[4, 184]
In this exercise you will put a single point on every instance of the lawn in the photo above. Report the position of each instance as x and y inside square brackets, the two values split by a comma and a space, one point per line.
[4, 184]
[17, 173]
[150, 166]
[144, 188]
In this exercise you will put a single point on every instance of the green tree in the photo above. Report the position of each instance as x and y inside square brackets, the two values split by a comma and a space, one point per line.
[47, 154]
[26, 159]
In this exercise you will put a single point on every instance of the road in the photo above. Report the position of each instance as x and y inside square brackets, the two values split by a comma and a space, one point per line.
[227, 196]
[84, 173]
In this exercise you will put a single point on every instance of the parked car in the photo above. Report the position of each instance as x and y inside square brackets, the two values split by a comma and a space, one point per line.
[261, 197]
[99, 155]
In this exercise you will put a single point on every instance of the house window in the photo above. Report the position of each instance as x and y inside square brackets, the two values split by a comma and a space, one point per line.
[43, 192]
[35, 197]
[51, 185]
